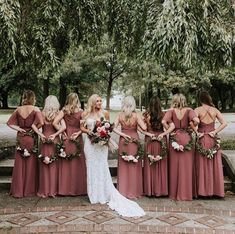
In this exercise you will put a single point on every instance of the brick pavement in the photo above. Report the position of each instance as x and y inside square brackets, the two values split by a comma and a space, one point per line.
[77, 215]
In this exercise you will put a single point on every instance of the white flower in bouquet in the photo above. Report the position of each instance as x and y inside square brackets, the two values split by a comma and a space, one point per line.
[26, 153]
[103, 128]
[18, 148]
[214, 151]
[39, 156]
[101, 143]
[175, 145]
[47, 160]
[107, 125]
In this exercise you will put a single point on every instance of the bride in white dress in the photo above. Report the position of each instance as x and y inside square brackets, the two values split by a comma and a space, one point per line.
[100, 187]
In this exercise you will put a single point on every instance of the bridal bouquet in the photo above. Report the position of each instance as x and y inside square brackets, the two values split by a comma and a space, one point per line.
[101, 132]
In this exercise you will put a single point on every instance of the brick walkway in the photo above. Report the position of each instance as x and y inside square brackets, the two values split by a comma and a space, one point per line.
[77, 215]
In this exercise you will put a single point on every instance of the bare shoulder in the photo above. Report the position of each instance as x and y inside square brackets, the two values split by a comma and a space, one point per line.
[37, 109]
[84, 113]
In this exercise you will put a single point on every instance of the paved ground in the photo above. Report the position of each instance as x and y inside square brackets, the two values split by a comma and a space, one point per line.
[77, 215]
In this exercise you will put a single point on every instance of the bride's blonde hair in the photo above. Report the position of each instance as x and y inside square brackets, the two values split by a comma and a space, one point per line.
[51, 108]
[179, 101]
[72, 103]
[128, 106]
[91, 104]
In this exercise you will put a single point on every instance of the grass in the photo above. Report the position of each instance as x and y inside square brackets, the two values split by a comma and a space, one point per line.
[228, 144]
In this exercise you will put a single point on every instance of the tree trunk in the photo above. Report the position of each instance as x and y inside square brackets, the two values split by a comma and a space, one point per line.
[4, 99]
[159, 93]
[46, 87]
[63, 92]
[109, 89]
[231, 104]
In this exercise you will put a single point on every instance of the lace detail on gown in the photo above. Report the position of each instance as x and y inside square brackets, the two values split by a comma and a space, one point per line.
[100, 187]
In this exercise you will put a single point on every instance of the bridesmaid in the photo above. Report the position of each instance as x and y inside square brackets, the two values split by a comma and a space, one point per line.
[181, 155]
[48, 176]
[25, 171]
[129, 178]
[155, 172]
[72, 166]
[209, 172]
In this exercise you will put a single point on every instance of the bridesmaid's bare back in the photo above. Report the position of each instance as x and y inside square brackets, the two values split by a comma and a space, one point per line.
[26, 110]
[207, 114]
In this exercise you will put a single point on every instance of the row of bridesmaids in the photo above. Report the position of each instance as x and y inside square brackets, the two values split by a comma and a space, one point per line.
[172, 166]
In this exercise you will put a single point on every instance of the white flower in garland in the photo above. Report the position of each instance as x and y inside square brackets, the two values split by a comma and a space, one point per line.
[62, 153]
[130, 158]
[26, 153]
[47, 160]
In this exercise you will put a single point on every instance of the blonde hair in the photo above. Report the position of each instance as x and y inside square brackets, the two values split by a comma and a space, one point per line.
[91, 104]
[72, 103]
[179, 101]
[128, 106]
[28, 98]
[51, 108]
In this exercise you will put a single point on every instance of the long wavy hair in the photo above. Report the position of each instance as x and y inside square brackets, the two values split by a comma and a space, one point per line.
[28, 98]
[91, 103]
[128, 106]
[205, 98]
[179, 101]
[155, 113]
[72, 103]
[51, 108]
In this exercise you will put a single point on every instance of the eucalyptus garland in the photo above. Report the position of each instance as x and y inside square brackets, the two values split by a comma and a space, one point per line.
[24, 152]
[61, 150]
[47, 159]
[211, 152]
[139, 154]
[180, 148]
[163, 151]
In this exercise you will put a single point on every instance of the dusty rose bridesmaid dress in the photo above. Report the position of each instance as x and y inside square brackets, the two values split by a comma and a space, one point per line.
[155, 175]
[48, 173]
[25, 171]
[129, 178]
[209, 172]
[72, 173]
[181, 179]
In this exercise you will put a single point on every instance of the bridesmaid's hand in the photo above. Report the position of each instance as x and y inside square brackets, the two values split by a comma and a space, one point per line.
[64, 136]
[43, 138]
[74, 136]
[21, 130]
[160, 136]
[200, 134]
[212, 134]
[52, 137]
[127, 138]
[151, 135]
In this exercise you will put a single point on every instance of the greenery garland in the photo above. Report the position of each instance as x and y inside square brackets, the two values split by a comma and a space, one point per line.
[181, 148]
[139, 154]
[46, 159]
[24, 152]
[211, 152]
[163, 151]
[61, 150]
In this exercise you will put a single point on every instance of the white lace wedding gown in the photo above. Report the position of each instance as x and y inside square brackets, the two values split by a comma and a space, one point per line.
[99, 182]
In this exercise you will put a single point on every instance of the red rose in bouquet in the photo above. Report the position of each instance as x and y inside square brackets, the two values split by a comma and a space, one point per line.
[101, 132]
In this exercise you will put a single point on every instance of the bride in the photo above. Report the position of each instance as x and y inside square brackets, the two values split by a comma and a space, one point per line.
[99, 182]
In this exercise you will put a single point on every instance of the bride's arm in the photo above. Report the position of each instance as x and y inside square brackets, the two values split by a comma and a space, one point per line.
[83, 127]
